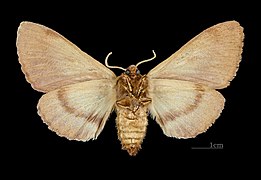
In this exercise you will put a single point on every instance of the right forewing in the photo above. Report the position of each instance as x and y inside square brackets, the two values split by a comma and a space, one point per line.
[49, 61]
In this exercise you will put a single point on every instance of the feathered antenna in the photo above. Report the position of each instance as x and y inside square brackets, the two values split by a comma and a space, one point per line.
[146, 60]
[115, 67]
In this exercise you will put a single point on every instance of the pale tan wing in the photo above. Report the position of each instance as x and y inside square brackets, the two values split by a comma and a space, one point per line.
[211, 58]
[184, 109]
[78, 111]
[50, 61]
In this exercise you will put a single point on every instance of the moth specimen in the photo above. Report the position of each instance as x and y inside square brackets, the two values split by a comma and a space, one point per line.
[179, 93]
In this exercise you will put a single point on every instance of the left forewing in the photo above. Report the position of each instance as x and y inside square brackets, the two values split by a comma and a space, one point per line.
[184, 109]
[211, 58]
[78, 111]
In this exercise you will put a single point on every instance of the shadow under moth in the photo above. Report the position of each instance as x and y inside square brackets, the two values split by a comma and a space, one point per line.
[80, 92]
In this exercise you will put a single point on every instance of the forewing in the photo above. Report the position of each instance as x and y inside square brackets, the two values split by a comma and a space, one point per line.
[78, 111]
[184, 109]
[50, 61]
[211, 58]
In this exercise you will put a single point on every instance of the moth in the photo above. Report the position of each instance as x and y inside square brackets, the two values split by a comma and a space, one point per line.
[180, 93]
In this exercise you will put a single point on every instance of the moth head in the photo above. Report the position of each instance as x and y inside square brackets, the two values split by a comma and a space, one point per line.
[132, 71]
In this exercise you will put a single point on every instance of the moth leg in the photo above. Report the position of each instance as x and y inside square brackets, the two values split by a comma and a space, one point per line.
[127, 81]
[132, 104]
[142, 86]
[145, 101]
[124, 103]
[128, 88]
[128, 91]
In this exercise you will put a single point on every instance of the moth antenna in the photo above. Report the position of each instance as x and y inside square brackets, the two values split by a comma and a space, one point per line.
[146, 60]
[115, 67]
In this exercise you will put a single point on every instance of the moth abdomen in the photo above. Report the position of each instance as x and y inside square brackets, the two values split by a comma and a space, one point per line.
[131, 132]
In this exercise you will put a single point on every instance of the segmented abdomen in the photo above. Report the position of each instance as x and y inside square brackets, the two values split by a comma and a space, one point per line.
[132, 128]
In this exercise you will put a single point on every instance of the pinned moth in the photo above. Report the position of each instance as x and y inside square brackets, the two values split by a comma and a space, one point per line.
[180, 93]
